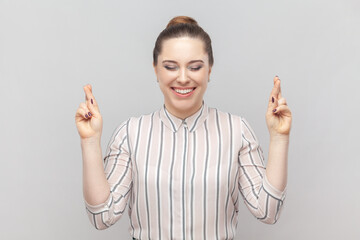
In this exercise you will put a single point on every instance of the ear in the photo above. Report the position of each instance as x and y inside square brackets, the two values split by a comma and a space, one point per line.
[155, 69]
[156, 72]
[210, 70]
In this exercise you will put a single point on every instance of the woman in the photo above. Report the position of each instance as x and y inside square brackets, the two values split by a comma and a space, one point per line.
[181, 166]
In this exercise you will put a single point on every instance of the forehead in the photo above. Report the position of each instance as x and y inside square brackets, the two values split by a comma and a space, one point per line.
[183, 49]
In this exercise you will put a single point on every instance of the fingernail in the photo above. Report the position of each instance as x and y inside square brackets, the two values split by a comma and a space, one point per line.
[86, 116]
[89, 114]
[274, 110]
[272, 98]
[92, 101]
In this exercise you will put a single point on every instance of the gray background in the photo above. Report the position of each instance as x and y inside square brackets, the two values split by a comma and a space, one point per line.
[50, 49]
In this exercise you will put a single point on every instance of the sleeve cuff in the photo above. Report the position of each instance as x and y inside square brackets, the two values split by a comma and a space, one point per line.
[272, 190]
[100, 207]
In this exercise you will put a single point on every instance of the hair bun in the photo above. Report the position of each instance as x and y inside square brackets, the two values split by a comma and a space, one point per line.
[180, 20]
[183, 26]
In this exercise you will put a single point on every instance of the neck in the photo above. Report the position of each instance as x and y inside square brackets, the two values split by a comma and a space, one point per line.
[183, 114]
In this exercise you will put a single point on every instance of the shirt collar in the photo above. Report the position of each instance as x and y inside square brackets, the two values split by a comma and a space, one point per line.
[192, 122]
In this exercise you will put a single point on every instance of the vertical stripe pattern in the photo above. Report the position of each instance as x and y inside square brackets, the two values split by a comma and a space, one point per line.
[182, 178]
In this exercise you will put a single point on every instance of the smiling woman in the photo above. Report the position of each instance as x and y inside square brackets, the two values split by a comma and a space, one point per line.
[183, 73]
[181, 168]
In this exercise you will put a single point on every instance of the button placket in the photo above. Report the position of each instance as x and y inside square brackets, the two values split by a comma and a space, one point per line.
[185, 173]
[185, 125]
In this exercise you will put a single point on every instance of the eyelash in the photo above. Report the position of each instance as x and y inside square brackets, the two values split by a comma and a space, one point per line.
[192, 68]
[195, 69]
[170, 68]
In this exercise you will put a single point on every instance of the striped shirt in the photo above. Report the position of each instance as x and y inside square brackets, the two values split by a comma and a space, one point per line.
[181, 177]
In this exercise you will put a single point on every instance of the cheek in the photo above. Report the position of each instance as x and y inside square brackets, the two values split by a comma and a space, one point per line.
[201, 77]
[204, 86]
[164, 87]
[165, 75]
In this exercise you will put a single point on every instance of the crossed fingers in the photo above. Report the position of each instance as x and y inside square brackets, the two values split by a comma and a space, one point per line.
[277, 103]
[90, 106]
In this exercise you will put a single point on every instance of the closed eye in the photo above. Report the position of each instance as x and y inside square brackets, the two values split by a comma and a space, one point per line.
[195, 68]
[170, 68]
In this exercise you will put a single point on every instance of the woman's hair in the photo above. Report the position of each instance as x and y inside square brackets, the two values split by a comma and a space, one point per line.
[183, 26]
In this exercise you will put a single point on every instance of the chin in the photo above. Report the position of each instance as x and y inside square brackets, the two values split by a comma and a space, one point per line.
[185, 106]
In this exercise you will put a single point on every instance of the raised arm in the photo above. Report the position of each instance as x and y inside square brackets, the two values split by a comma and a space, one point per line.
[106, 187]
[278, 119]
[263, 188]
[89, 124]
[262, 199]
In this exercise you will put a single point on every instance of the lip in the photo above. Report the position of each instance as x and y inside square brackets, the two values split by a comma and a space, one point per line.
[183, 95]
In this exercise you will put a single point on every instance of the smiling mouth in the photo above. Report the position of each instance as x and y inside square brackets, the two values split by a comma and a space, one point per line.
[183, 91]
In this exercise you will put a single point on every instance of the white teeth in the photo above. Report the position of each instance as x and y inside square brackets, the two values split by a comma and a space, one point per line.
[183, 91]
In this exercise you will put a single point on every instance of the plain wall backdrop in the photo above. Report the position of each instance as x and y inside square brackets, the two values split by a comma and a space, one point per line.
[50, 49]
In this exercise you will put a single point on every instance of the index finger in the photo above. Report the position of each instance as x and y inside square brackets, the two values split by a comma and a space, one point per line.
[91, 101]
[279, 95]
[275, 80]
[276, 89]
[88, 92]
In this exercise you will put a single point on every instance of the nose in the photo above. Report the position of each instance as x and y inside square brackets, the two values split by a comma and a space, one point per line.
[183, 78]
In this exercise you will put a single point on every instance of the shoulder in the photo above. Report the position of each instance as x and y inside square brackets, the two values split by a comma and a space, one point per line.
[235, 123]
[133, 123]
[144, 118]
[130, 128]
[226, 120]
[219, 115]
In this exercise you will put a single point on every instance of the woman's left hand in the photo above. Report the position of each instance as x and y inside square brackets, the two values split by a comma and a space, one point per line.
[278, 115]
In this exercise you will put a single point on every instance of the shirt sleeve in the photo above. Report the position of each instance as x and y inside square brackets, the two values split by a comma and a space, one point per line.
[118, 171]
[263, 200]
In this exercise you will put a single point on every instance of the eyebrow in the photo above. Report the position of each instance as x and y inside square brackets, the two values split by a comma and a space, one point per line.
[172, 61]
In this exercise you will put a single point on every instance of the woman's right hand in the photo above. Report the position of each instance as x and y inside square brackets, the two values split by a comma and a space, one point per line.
[88, 118]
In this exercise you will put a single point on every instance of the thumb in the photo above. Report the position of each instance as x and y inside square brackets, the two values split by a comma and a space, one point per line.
[282, 110]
